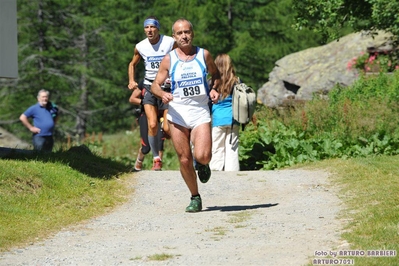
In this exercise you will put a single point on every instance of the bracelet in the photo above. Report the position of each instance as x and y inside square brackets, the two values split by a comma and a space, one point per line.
[215, 89]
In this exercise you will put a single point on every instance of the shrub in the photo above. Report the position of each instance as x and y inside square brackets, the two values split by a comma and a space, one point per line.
[375, 62]
[360, 120]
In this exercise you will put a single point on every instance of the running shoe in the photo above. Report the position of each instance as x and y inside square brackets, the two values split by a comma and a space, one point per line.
[138, 165]
[157, 166]
[204, 172]
[195, 204]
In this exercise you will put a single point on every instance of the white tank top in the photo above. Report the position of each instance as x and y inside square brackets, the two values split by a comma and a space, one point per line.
[188, 79]
[153, 55]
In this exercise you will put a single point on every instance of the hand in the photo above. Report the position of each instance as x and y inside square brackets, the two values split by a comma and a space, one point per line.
[167, 97]
[35, 130]
[132, 85]
[214, 95]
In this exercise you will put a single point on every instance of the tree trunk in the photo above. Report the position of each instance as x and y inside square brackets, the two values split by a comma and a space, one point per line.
[41, 42]
[82, 109]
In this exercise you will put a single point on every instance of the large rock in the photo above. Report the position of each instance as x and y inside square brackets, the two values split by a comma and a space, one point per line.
[8, 140]
[300, 75]
[10, 144]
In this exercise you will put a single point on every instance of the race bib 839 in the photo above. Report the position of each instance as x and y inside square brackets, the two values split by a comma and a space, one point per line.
[191, 88]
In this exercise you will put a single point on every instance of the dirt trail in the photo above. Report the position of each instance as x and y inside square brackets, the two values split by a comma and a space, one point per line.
[248, 218]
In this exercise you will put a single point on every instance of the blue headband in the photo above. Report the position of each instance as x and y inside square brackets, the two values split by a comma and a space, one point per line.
[152, 21]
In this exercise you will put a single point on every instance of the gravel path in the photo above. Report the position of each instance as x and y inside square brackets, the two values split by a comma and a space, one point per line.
[248, 218]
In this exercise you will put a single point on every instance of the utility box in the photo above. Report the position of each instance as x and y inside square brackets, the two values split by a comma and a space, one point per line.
[8, 39]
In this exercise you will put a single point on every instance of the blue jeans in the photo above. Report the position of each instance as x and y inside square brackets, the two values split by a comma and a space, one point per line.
[43, 143]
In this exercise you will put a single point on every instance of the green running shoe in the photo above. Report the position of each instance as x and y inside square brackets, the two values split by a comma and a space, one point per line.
[195, 204]
[204, 172]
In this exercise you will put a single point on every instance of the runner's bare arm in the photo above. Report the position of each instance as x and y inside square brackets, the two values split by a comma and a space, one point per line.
[214, 72]
[135, 98]
[131, 69]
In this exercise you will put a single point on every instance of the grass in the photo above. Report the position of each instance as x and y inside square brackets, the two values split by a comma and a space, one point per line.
[42, 193]
[160, 257]
[239, 218]
[218, 232]
[124, 146]
[369, 188]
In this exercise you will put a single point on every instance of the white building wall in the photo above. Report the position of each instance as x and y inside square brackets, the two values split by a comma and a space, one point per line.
[8, 39]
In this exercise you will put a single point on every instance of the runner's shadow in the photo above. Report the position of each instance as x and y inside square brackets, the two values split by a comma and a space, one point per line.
[238, 207]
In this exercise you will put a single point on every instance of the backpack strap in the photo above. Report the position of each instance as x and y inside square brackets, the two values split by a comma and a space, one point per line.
[231, 135]
[232, 123]
[239, 81]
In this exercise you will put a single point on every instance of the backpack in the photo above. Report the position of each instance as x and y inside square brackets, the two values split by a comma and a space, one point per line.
[244, 103]
[53, 109]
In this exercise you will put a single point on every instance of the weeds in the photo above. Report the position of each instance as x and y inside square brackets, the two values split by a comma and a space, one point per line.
[357, 121]
[160, 257]
[239, 218]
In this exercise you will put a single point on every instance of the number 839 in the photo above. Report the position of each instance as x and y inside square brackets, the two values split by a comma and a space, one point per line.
[191, 91]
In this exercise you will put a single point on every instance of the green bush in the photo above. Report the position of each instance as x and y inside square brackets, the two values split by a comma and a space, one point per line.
[360, 120]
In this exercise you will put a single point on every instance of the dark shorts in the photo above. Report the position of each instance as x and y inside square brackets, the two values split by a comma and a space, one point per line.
[150, 99]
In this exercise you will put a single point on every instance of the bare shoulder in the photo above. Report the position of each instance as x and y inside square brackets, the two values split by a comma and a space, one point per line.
[166, 60]
[207, 55]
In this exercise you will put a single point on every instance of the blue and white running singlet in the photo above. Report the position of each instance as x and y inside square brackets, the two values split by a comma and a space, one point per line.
[190, 90]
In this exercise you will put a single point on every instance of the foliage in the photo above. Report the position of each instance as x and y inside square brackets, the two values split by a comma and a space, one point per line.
[375, 62]
[357, 121]
[262, 35]
[380, 87]
[80, 50]
[71, 51]
[331, 17]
